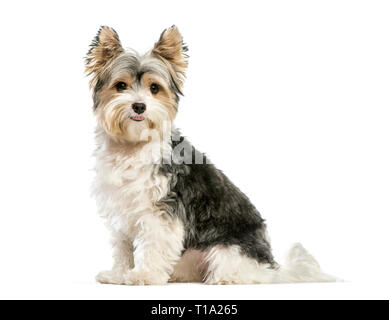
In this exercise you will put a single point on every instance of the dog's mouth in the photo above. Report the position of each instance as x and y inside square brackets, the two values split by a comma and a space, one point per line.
[137, 118]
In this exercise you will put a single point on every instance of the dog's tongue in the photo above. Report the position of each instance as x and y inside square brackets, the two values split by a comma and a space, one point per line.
[138, 118]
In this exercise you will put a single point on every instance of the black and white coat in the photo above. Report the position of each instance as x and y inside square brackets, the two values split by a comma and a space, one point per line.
[183, 222]
[172, 218]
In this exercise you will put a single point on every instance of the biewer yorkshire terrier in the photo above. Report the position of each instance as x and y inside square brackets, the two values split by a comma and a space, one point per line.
[173, 215]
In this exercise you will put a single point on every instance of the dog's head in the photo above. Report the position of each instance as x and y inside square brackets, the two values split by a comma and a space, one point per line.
[133, 93]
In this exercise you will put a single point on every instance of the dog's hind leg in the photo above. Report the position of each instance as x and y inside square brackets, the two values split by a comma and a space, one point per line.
[189, 268]
[228, 265]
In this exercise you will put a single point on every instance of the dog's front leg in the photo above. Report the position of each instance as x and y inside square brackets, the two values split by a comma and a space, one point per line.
[158, 246]
[123, 261]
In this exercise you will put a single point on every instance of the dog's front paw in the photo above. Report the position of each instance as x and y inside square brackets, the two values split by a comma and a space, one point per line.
[111, 277]
[141, 278]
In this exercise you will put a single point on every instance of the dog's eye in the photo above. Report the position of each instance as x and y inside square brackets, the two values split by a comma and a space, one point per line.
[154, 88]
[120, 86]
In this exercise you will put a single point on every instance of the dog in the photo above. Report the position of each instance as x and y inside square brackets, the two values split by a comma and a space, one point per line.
[174, 217]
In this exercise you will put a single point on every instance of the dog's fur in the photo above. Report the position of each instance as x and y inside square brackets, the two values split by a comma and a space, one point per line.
[173, 215]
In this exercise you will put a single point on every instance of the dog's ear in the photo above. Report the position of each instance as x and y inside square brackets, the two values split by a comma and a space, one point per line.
[105, 46]
[171, 48]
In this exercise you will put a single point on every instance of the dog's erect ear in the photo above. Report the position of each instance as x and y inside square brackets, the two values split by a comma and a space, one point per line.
[171, 48]
[105, 46]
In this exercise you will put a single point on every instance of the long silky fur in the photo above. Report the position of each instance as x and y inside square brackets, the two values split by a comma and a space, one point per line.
[173, 215]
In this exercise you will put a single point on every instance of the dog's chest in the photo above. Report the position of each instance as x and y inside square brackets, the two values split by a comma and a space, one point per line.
[127, 186]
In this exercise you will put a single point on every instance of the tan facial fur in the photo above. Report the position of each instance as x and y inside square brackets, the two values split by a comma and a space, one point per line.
[115, 108]
[164, 95]
[109, 64]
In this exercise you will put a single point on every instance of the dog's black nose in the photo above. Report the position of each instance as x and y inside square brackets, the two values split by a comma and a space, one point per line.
[139, 107]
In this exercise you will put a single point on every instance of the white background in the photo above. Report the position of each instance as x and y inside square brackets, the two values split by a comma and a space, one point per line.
[289, 98]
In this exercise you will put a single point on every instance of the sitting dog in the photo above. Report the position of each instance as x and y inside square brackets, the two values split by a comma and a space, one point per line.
[173, 215]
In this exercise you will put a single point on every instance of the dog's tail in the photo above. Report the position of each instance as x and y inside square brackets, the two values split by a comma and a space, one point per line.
[300, 266]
